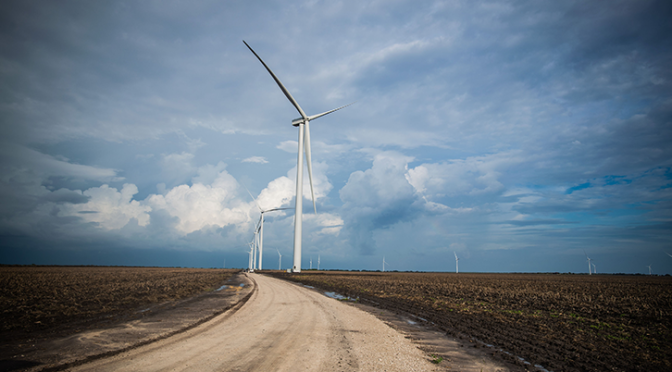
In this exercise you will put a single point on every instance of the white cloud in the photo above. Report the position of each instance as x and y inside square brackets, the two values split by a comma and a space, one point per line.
[255, 159]
[383, 183]
[109, 208]
[200, 206]
[288, 146]
[471, 176]
[329, 223]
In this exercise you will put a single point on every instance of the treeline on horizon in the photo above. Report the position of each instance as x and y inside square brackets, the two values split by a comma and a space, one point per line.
[336, 270]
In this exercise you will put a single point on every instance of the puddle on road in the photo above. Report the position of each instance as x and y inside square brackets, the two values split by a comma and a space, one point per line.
[339, 297]
[228, 286]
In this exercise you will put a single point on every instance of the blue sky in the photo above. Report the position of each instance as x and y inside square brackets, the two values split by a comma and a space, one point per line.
[516, 134]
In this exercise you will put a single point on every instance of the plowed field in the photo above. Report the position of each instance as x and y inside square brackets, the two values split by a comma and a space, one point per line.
[559, 322]
[36, 300]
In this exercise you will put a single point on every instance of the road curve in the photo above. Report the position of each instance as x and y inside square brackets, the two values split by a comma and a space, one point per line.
[282, 327]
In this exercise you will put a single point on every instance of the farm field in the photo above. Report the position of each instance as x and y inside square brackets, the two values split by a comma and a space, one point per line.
[39, 300]
[560, 322]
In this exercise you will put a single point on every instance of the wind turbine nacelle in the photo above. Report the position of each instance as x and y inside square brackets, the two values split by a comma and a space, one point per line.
[297, 122]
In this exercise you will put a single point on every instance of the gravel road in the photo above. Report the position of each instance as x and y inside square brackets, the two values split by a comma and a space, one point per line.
[282, 327]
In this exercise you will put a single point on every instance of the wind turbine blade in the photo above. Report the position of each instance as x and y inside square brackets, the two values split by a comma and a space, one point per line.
[328, 112]
[277, 209]
[306, 144]
[253, 198]
[282, 87]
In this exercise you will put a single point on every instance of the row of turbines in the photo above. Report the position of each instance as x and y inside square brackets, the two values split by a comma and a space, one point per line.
[592, 269]
[304, 144]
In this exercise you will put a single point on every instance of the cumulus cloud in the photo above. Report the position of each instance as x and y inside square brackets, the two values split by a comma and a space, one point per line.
[470, 176]
[109, 208]
[255, 159]
[199, 206]
[378, 198]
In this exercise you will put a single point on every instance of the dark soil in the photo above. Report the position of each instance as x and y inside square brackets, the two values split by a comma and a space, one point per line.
[43, 306]
[557, 322]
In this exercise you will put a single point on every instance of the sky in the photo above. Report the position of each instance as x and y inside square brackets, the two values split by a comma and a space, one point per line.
[522, 136]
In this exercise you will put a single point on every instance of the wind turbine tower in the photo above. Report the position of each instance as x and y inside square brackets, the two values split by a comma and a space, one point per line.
[649, 269]
[260, 225]
[318, 262]
[384, 263]
[456, 260]
[279, 259]
[589, 268]
[304, 142]
[311, 263]
[250, 267]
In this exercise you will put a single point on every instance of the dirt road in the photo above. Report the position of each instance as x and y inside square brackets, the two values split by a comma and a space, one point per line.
[282, 327]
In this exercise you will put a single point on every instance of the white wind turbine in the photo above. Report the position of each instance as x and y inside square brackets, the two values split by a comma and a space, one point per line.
[456, 260]
[249, 261]
[384, 263]
[594, 269]
[589, 268]
[304, 141]
[649, 269]
[279, 259]
[318, 262]
[256, 248]
[311, 263]
[260, 226]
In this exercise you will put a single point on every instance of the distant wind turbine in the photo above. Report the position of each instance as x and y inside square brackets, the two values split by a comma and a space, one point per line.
[589, 268]
[250, 266]
[304, 142]
[456, 261]
[279, 259]
[384, 263]
[311, 263]
[594, 269]
[260, 225]
[649, 269]
[318, 262]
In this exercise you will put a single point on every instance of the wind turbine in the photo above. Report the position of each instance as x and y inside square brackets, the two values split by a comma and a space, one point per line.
[456, 260]
[249, 261]
[256, 247]
[594, 269]
[384, 263]
[311, 263]
[589, 268]
[260, 225]
[649, 269]
[304, 141]
[318, 262]
[279, 259]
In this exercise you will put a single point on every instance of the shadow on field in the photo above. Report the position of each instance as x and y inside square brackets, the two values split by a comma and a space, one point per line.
[13, 365]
